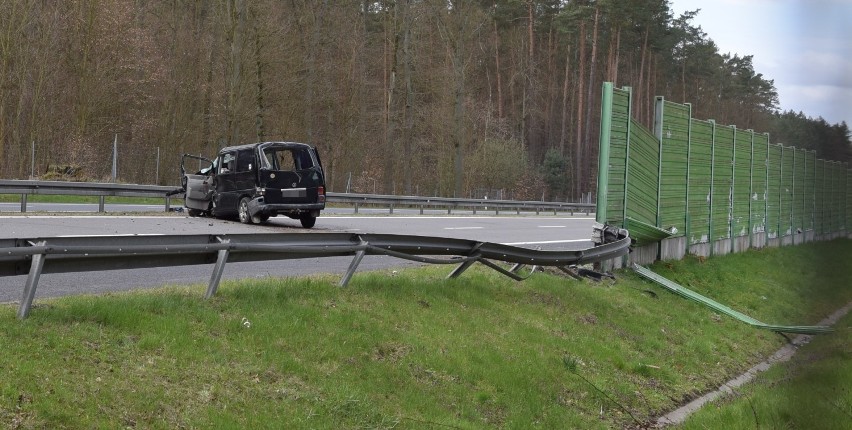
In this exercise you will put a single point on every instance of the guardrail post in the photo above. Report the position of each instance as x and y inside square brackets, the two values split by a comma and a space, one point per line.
[23, 203]
[391, 209]
[473, 257]
[216, 277]
[36, 266]
[168, 204]
[356, 208]
[353, 266]
[101, 200]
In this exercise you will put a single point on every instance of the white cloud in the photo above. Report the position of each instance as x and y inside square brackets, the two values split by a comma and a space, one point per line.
[805, 46]
[826, 101]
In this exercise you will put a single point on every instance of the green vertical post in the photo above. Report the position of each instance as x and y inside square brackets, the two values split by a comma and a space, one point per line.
[603, 153]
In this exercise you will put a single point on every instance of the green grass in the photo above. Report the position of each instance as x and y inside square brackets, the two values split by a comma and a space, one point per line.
[812, 390]
[408, 350]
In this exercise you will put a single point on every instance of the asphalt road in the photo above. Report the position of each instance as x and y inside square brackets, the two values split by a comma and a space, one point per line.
[543, 232]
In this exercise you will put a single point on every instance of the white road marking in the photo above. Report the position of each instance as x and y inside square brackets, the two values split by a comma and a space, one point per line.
[552, 226]
[463, 228]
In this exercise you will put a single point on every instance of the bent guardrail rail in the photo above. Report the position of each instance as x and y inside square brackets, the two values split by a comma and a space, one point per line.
[26, 188]
[36, 256]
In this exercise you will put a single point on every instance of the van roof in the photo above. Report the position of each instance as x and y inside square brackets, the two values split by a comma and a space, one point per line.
[274, 143]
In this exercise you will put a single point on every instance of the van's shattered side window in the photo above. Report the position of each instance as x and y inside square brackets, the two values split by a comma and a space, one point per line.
[245, 158]
[287, 159]
[229, 163]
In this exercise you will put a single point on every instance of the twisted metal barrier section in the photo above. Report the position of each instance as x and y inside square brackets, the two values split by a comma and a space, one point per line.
[36, 256]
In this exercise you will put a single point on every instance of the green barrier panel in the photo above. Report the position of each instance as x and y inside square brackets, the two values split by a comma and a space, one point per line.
[848, 187]
[758, 183]
[708, 182]
[723, 157]
[785, 227]
[828, 198]
[613, 155]
[671, 127]
[741, 197]
[798, 201]
[837, 192]
[773, 187]
[700, 180]
[819, 193]
[643, 175]
[810, 191]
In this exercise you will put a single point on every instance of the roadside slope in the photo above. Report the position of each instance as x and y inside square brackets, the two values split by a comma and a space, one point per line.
[408, 349]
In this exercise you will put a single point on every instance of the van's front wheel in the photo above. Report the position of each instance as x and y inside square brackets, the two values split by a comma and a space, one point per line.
[243, 212]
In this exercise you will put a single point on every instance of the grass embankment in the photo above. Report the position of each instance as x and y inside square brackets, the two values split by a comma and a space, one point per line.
[409, 350]
[811, 391]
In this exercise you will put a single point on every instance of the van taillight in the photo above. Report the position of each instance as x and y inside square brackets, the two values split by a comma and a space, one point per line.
[320, 194]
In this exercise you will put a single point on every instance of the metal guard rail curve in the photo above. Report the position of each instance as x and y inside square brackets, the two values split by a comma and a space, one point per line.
[36, 256]
[26, 188]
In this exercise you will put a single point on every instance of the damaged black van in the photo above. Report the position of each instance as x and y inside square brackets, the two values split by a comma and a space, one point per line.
[257, 181]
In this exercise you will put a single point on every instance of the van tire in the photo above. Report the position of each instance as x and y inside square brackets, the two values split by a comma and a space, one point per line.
[308, 220]
[242, 211]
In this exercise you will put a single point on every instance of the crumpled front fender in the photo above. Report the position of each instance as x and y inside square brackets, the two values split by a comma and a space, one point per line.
[255, 206]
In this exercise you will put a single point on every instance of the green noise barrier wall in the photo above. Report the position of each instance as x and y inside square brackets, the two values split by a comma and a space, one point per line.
[694, 186]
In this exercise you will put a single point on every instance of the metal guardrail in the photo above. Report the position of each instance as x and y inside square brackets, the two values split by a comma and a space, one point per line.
[36, 256]
[26, 188]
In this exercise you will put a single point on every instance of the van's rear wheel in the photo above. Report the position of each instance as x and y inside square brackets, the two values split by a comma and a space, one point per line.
[308, 220]
[243, 212]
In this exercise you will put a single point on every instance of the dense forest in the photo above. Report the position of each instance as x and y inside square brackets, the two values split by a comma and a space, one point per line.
[441, 97]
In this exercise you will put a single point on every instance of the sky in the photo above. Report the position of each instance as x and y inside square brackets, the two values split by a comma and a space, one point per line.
[805, 46]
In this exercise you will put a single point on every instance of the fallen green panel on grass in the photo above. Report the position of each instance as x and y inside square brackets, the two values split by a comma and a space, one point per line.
[692, 295]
